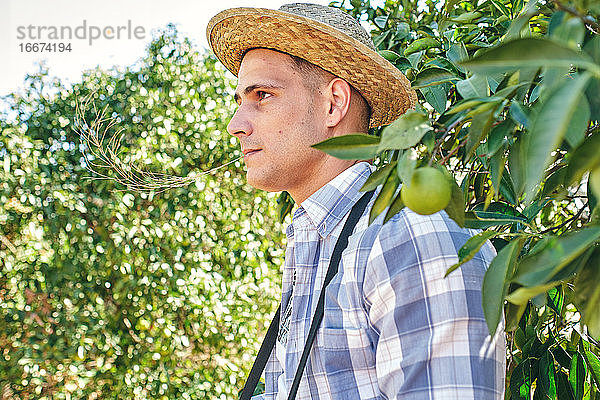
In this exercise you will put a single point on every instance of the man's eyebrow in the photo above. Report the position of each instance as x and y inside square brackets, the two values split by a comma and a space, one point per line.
[249, 89]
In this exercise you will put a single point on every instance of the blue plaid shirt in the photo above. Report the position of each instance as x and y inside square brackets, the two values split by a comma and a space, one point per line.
[394, 327]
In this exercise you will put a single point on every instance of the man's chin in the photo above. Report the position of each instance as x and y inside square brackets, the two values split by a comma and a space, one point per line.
[262, 182]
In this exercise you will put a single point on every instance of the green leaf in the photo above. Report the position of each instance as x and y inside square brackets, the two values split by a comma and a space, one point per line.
[507, 188]
[378, 40]
[514, 314]
[570, 31]
[389, 55]
[560, 355]
[433, 76]
[556, 179]
[548, 130]
[574, 267]
[556, 299]
[593, 188]
[579, 123]
[532, 210]
[436, 97]
[467, 17]
[356, 146]
[552, 78]
[517, 161]
[406, 167]
[521, 380]
[593, 364]
[593, 196]
[485, 108]
[520, 25]
[523, 294]
[498, 136]
[402, 30]
[456, 207]
[385, 196]
[421, 44]
[584, 158]
[395, 208]
[555, 20]
[518, 115]
[404, 132]
[547, 382]
[402, 64]
[475, 86]
[486, 219]
[563, 387]
[378, 177]
[472, 103]
[443, 63]
[381, 21]
[577, 375]
[510, 91]
[429, 140]
[538, 268]
[529, 52]
[494, 81]
[497, 167]
[285, 203]
[587, 292]
[501, 7]
[457, 53]
[480, 127]
[592, 47]
[470, 248]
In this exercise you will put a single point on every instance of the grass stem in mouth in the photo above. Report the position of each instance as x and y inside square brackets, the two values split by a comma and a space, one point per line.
[101, 153]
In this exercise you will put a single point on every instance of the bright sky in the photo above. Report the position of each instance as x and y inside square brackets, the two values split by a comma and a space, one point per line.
[47, 18]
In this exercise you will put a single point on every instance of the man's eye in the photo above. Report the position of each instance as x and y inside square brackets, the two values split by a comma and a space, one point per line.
[262, 95]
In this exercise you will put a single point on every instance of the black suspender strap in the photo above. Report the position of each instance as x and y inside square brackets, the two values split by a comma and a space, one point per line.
[341, 244]
[269, 342]
[261, 359]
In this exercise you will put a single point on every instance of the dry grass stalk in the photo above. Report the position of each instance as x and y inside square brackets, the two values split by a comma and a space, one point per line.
[101, 153]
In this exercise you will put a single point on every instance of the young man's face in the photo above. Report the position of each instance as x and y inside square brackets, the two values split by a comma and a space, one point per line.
[278, 119]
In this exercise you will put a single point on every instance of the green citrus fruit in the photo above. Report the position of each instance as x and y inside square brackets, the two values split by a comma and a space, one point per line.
[428, 192]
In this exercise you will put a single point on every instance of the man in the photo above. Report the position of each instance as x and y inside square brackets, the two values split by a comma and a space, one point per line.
[393, 326]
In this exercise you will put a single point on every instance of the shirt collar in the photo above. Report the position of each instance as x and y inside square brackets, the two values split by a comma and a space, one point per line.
[327, 206]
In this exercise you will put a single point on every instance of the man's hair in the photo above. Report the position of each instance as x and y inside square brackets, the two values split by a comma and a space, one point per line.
[315, 76]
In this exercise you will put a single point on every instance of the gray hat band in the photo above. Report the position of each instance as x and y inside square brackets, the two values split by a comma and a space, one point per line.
[333, 17]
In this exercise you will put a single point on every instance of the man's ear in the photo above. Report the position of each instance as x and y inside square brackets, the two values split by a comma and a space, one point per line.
[339, 93]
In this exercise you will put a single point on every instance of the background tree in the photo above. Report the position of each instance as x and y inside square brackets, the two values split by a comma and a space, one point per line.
[509, 107]
[106, 293]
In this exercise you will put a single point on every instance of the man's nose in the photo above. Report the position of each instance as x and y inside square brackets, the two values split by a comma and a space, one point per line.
[239, 123]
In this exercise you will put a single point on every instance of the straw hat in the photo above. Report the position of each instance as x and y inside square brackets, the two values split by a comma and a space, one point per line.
[324, 36]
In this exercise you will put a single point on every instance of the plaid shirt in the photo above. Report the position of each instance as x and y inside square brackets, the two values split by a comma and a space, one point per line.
[394, 327]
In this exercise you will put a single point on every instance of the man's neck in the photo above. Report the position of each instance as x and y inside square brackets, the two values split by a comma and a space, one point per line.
[331, 168]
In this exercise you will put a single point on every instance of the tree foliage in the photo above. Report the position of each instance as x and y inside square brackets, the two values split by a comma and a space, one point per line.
[510, 107]
[105, 293]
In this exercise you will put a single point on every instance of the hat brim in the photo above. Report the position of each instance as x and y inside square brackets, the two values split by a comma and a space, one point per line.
[231, 33]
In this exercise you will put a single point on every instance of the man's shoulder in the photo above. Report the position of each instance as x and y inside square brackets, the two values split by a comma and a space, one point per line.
[407, 225]
[432, 236]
